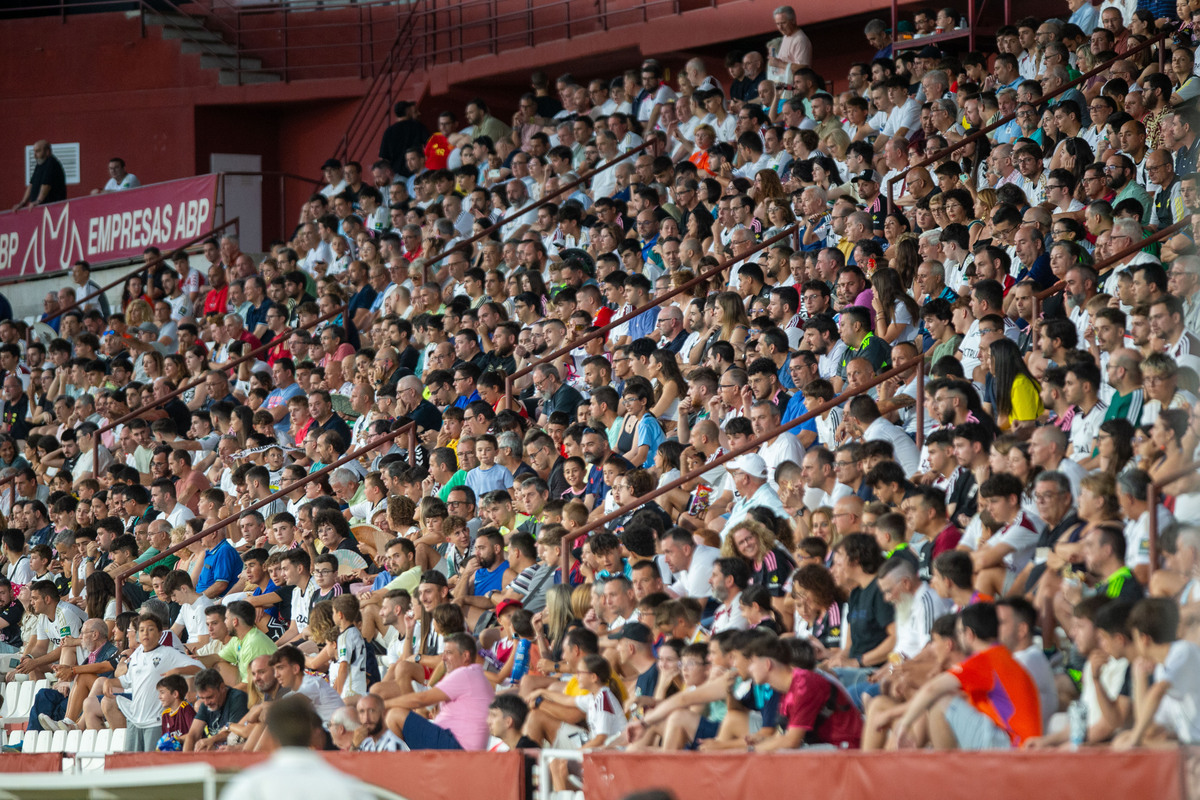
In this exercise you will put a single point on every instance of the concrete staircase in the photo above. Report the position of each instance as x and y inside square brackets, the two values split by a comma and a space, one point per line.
[215, 52]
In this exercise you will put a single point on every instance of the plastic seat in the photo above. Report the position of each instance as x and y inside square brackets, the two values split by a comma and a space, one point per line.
[37, 742]
[58, 741]
[117, 745]
[73, 739]
[24, 702]
[10, 692]
[15, 738]
[102, 741]
[87, 741]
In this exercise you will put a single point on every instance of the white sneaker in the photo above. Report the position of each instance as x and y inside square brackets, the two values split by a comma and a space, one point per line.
[47, 723]
[67, 724]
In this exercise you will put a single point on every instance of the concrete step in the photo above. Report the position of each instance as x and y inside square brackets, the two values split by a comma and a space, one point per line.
[208, 48]
[173, 20]
[229, 77]
[191, 34]
[229, 61]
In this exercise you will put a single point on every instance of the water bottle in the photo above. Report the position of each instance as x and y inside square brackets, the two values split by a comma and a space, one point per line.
[1077, 717]
[521, 662]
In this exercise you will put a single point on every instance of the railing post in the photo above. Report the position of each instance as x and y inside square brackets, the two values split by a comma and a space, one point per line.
[412, 445]
[920, 406]
[508, 392]
[1152, 507]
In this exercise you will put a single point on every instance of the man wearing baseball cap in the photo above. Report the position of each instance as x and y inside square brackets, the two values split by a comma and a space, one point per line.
[867, 183]
[748, 472]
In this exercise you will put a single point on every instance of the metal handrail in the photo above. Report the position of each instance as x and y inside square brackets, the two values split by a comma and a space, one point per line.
[1152, 502]
[409, 427]
[158, 402]
[657, 301]
[751, 445]
[1112, 260]
[986, 129]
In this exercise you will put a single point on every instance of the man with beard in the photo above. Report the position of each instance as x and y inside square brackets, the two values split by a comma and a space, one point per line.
[1119, 175]
[486, 575]
[1014, 536]
[821, 337]
[504, 345]
[372, 735]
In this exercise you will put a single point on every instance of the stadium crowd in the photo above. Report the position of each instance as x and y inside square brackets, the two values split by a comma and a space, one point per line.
[838, 586]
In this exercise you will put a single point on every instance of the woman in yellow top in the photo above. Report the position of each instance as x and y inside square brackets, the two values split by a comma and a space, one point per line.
[1018, 394]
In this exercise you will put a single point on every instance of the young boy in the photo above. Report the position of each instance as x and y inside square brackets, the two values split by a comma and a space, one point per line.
[40, 557]
[505, 718]
[1165, 711]
[350, 670]
[177, 713]
[325, 574]
[273, 459]
[488, 476]
[812, 550]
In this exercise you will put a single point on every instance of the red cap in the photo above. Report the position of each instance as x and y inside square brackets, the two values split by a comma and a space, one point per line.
[505, 605]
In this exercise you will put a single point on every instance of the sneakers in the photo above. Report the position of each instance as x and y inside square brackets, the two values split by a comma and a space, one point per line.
[50, 724]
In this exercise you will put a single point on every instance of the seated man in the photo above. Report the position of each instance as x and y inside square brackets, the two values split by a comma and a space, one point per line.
[65, 700]
[57, 620]
[218, 707]
[465, 694]
[987, 702]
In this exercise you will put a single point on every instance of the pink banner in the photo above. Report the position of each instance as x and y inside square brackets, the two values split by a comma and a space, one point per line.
[106, 227]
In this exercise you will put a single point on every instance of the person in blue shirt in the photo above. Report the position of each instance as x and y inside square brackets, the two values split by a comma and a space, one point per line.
[637, 292]
[221, 568]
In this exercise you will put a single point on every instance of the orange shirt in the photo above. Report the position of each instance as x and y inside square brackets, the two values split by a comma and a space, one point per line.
[998, 686]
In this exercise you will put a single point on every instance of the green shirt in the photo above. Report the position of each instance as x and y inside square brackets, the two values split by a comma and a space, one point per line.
[240, 652]
[457, 479]
[148, 559]
[406, 580]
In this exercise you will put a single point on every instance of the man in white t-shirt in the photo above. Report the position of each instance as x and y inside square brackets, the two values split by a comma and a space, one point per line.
[288, 663]
[372, 735]
[118, 179]
[57, 621]
[1169, 708]
[192, 607]
[916, 604]
[1001, 557]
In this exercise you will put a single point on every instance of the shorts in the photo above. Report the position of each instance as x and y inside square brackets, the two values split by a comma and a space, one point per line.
[707, 729]
[973, 729]
[421, 734]
[1010, 578]
[570, 737]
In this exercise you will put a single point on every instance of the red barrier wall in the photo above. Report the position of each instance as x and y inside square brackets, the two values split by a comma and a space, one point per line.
[30, 762]
[419, 775]
[908, 775]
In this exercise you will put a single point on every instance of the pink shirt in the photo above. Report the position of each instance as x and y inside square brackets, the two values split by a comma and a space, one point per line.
[465, 713]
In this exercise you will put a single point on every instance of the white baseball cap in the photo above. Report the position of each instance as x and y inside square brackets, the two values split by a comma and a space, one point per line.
[750, 463]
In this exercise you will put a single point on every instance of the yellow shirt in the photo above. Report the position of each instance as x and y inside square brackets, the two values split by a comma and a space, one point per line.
[1026, 400]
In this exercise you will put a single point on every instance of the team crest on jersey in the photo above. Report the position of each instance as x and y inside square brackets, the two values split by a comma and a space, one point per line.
[156, 661]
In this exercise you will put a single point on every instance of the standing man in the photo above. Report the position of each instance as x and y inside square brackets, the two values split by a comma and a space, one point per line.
[795, 51]
[48, 183]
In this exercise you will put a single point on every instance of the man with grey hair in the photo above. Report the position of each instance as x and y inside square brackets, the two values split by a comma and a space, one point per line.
[347, 485]
[879, 36]
[510, 454]
[342, 726]
[795, 50]
[1183, 281]
[1055, 78]
[1125, 232]
[1048, 447]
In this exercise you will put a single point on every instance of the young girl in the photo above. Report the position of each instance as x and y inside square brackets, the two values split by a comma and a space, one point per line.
[756, 607]
[574, 473]
[605, 720]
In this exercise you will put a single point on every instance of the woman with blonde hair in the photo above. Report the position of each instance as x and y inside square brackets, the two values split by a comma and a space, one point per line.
[729, 314]
[137, 312]
[985, 201]
[581, 600]
[770, 563]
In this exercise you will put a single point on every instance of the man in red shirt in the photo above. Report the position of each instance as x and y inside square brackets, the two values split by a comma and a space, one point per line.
[216, 301]
[812, 708]
[987, 702]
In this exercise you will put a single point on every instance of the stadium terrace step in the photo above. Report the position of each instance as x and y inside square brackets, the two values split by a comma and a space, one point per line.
[215, 52]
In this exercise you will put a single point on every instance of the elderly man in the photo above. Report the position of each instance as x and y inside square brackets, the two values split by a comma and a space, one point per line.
[748, 473]
[57, 708]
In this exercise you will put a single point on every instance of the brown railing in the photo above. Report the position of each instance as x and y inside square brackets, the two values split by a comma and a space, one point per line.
[657, 301]
[986, 129]
[160, 401]
[748, 447]
[1111, 261]
[1152, 497]
[409, 427]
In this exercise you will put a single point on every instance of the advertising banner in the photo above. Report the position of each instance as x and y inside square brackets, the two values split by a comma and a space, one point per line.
[105, 227]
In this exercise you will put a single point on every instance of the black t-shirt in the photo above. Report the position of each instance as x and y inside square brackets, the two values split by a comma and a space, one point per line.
[16, 418]
[868, 616]
[11, 634]
[548, 106]
[647, 682]
[49, 172]
[774, 571]
[235, 707]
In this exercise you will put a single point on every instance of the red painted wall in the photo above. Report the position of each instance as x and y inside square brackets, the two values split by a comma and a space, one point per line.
[96, 79]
